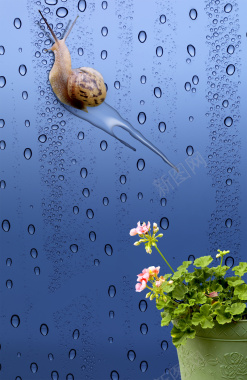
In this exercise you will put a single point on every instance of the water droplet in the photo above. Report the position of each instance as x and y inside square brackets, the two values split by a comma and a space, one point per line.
[143, 366]
[27, 153]
[18, 354]
[17, 23]
[114, 375]
[228, 182]
[228, 223]
[111, 314]
[163, 19]
[54, 375]
[6, 225]
[131, 355]
[31, 229]
[123, 197]
[140, 164]
[142, 117]
[42, 138]
[104, 5]
[191, 50]
[103, 145]
[34, 253]
[37, 271]
[51, 2]
[142, 36]
[140, 195]
[117, 85]
[187, 86]
[62, 12]
[225, 103]
[157, 92]
[191, 118]
[74, 248]
[112, 291]
[193, 14]
[229, 261]
[162, 127]
[164, 345]
[92, 236]
[50, 357]
[83, 173]
[143, 305]
[15, 320]
[2, 50]
[104, 31]
[195, 79]
[103, 54]
[34, 367]
[2, 184]
[9, 262]
[122, 179]
[80, 51]
[189, 150]
[144, 328]
[27, 123]
[143, 79]
[108, 249]
[228, 121]
[230, 49]
[9, 284]
[96, 262]
[159, 51]
[76, 210]
[163, 202]
[2, 123]
[76, 334]
[22, 70]
[80, 135]
[230, 70]
[86, 192]
[82, 5]
[90, 213]
[2, 82]
[24, 95]
[228, 8]
[44, 329]
[105, 201]
[164, 223]
[70, 376]
[191, 258]
[72, 354]
[18, 378]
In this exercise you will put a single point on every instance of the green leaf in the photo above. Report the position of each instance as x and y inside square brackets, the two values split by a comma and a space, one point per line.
[166, 319]
[181, 309]
[179, 291]
[222, 316]
[241, 292]
[203, 261]
[180, 337]
[185, 265]
[160, 304]
[167, 288]
[182, 323]
[200, 298]
[236, 308]
[203, 317]
[220, 271]
[234, 281]
[241, 269]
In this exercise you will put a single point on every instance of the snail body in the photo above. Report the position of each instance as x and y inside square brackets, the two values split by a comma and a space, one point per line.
[80, 88]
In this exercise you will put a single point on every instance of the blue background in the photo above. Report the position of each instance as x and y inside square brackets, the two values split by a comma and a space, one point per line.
[68, 290]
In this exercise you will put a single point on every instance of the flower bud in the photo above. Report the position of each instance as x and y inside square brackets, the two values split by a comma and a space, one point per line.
[170, 282]
[152, 297]
[155, 228]
[148, 294]
[148, 248]
[137, 243]
[159, 236]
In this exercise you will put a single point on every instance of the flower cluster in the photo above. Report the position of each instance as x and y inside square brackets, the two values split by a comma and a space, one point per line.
[144, 232]
[146, 275]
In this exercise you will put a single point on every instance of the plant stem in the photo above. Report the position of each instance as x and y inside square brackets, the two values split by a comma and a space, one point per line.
[164, 258]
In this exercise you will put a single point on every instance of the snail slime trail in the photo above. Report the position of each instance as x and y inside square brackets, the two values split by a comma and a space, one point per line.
[82, 92]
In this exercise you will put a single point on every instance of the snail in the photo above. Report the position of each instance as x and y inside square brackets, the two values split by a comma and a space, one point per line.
[82, 92]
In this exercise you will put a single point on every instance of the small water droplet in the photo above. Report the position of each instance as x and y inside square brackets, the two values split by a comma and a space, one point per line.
[96, 262]
[140, 195]
[143, 79]
[31, 229]
[142, 117]
[131, 355]
[228, 8]
[142, 36]
[2, 50]
[34, 253]
[228, 182]
[76, 334]
[143, 366]
[74, 248]
[9, 284]
[37, 271]
[27, 153]
[44, 329]
[24, 95]
[163, 202]
[159, 51]
[164, 345]
[162, 19]
[54, 375]
[105, 201]
[162, 127]
[104, 5]
[108, 249]
[164, 223]
[228, 223]
[27, 123]
[103, 54]
[122, 179]
[189, 150]
[18, 354]
[187, 86]
[50, 357]
[92, 236]
[112, 291]
[72, 354]
[114, 375]
[42, 138]
[62, 12]
[34, 367]
[22, 70]
[143, 305]
[111, 314]
[2, 144]
[2, 123]
[123, 197]
[191, 50]
[225, 103]
[195, 80]
[80, 51]
[83, 173]
[229, 261]
[6, 225]
[15, 320]
[82, 5]
[228, 121]
[157, 92]
[104, 31]
[191, 258]
[117, 85]
[193, 14]
[140, 164]
[90, 213]
[2, 81]
[230, 70]
[9, 262]
[86, 192]
[103, 145]
[2, 184]
[51, 2]
[70, 376]
[230, 49]
[17, 23]
[76, 210]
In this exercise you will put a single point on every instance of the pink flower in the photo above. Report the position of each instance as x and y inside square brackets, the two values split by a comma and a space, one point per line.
[159, 282]
[141, 286]
[212, 294]
[140, 229]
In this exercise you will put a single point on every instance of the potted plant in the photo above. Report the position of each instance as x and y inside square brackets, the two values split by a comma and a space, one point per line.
[206, 307]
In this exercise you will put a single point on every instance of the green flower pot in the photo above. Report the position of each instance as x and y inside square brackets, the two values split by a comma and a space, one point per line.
[218, 353]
